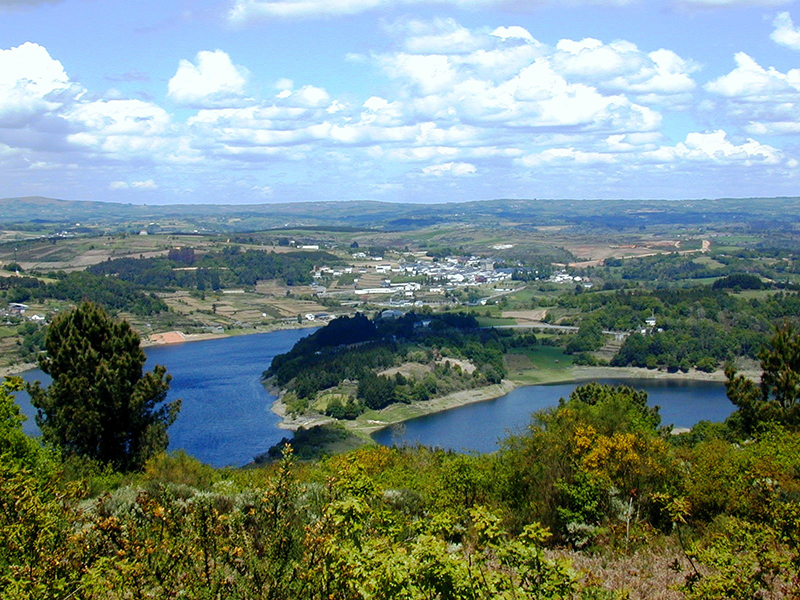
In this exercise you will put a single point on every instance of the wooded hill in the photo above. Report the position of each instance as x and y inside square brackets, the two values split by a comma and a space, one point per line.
[356, 349]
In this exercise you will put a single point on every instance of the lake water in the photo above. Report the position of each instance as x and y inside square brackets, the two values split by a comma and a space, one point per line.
[226, 419]
[478, 427]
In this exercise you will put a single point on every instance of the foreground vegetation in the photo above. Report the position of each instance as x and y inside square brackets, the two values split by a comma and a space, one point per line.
[562, 511]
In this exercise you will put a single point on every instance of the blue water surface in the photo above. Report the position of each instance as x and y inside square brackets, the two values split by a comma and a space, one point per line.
[225, 418]
[478, 427]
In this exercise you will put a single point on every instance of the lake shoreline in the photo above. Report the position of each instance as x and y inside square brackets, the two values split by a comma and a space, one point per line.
[181, 338]
[16, 369]
[188, 338]
[371, 422]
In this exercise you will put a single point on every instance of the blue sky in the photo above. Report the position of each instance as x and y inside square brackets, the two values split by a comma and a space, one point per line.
[251, 101]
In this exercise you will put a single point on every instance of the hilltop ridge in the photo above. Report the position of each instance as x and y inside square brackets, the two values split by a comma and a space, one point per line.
[611, 214]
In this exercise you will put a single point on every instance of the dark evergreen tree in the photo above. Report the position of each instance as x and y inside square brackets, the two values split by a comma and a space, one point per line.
[100, 403]
[743, 281]
[15, 447]
[777, 398]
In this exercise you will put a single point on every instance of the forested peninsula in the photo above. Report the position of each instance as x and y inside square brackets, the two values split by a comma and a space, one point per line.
[358, 374]
[355, 364]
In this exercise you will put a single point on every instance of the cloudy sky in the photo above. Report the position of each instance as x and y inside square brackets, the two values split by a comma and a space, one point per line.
[399, 100]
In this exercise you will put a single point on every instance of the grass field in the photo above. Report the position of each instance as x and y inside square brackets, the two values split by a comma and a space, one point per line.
[760, 294]
[708, 261]
[542, 364]
[495, 321]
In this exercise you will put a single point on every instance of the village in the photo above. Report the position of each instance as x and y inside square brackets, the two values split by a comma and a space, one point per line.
[408, 279]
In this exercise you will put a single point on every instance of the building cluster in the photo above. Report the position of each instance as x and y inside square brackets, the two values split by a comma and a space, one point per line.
[321, 317]
[459, 271]
[410, 278]
[18, 310]
[564, 277]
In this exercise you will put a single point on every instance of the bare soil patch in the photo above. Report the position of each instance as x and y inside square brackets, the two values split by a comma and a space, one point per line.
[170, 337]
[409, 369]
[466, 366]
[371, 280]
[525, 315]
[289, 307]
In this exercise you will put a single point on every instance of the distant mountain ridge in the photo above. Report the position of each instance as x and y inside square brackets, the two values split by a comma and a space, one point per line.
[782, 212]
[33, 208]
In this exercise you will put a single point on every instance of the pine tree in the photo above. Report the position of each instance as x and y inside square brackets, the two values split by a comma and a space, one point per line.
[16, 448]
[100, 404]
[777, 398]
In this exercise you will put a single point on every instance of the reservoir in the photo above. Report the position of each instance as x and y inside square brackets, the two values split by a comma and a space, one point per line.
[478, 427]
[226, 419]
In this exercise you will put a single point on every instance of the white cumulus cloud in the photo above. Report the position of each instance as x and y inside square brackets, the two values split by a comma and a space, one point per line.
[244, 10]
[774, 127]
[566, 156]
[212, 80]
[311, 96]
[715, 147]
[750, 79]
[148, 184]
[764, 100]
[489, 105]
[248, 10]
[515, 32]
[440, 36]
[514, 80]
[121, 128]
[653, 77]
[120, 117]
[31, 83]
[785, 32]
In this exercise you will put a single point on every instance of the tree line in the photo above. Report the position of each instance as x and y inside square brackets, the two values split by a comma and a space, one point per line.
[695, 327]
[112, 293]
[184, 268]
[662, 268]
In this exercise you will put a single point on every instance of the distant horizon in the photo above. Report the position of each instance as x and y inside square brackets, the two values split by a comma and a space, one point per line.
[420, 101]
[434, 203]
